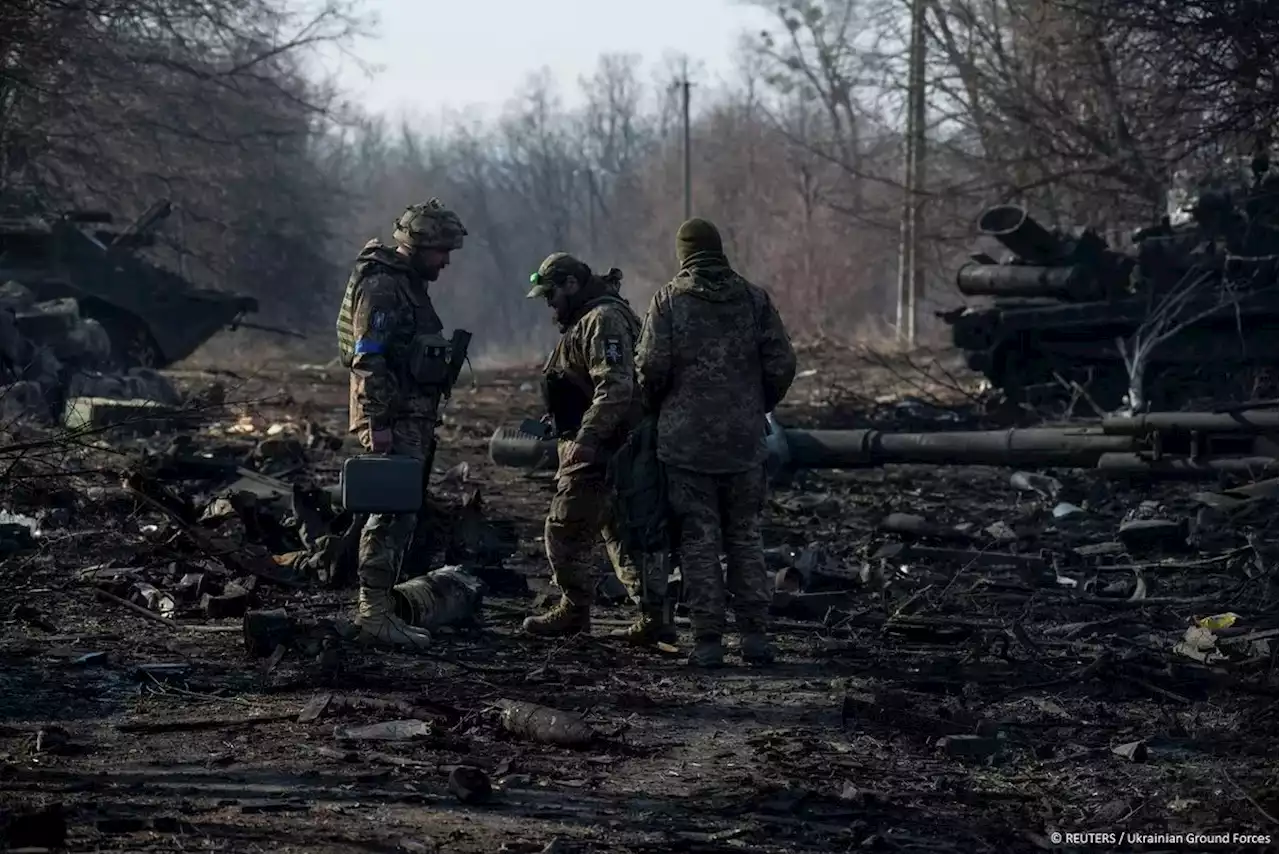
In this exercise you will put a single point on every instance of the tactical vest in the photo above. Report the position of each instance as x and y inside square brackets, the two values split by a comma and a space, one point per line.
[566, 401]
[346, 316]
[347, 311]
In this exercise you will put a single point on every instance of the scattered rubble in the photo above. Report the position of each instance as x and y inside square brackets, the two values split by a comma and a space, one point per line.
[547, 725]
[965, 664]
[54, 367]
[470, 785]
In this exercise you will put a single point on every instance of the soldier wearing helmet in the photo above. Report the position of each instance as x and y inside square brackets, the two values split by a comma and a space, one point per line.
[389, 335]
[588, 386]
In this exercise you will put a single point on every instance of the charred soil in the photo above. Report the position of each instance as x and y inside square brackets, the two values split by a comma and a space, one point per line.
[1017, 672]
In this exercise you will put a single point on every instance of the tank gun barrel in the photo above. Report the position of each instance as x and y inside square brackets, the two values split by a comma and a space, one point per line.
[1036, 446]
[1027, 280]
[1259, 422]
[1020, 234]
[1160, 444]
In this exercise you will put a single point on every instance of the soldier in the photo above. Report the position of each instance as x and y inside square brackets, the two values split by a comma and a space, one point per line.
[712, 361]
[389, 335]
[588, 389]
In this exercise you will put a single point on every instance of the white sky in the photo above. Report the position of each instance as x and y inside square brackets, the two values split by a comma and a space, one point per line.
[438, 56]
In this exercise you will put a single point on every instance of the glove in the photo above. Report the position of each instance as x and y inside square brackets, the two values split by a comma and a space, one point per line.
[380, 440]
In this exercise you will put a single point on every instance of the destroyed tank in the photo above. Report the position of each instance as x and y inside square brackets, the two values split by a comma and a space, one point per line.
[153, 317]
[1203, 282]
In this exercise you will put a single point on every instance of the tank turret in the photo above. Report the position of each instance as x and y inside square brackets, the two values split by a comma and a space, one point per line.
[1058, 304]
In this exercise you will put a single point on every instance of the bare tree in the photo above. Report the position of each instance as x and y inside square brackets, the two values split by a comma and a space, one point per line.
[615, 137]
[1213, 61]
[1071, 107]
[110, 103]
[1201, 293]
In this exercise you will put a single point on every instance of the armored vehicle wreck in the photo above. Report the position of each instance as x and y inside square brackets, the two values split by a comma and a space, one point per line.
[151, 316]
[1061, 307]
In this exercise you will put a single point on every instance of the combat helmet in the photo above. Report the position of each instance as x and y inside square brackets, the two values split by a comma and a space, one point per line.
[429, 225]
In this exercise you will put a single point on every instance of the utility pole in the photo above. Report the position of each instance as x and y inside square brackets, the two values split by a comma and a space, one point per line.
[182, 239]
[683, 85]
[918, 174]
[591, 209]
[910, 258]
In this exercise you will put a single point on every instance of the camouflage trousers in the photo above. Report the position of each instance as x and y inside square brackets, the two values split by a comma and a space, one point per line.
[581, 516]
[386, 536]
[711, 511]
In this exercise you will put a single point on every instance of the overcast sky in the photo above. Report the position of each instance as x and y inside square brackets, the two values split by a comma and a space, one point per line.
[439, 56]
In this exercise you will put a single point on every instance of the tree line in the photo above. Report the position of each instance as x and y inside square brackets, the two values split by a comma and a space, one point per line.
[1085, 111]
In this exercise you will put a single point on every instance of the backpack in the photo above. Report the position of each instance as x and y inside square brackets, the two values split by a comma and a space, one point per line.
[639, 491]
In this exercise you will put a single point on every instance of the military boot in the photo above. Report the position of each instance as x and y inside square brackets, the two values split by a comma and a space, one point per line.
[756, 649]
[566, 618]
[707, 652]
[650, 629]
[375, 614]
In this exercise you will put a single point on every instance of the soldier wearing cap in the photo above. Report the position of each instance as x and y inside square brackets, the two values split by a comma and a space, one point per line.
[389, 335]
[588, 387]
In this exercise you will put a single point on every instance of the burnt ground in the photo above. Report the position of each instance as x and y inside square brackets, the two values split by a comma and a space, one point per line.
[1045, 645]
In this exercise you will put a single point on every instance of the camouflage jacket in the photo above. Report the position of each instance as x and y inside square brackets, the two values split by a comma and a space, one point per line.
[594, 362]
[399, 366]
[713, 360]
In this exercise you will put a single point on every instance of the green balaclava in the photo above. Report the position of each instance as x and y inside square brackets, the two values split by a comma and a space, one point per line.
[698, 243]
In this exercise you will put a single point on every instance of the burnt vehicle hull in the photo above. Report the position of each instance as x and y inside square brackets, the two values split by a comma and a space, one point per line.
[152, 316]
[1201, 295]
[1030, 348]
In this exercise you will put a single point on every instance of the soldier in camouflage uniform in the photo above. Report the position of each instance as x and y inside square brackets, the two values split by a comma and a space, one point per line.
[390, 336]
[712, 361]
[588, 385]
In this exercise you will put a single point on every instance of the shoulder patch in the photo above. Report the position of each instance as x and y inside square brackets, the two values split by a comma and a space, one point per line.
[378, 320]
[613, 351]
